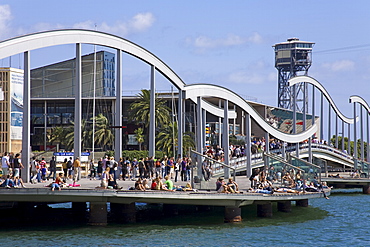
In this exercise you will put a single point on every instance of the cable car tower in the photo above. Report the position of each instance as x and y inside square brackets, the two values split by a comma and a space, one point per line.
[292, 58]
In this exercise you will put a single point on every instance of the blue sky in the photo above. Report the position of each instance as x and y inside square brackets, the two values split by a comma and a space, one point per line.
[228, 43]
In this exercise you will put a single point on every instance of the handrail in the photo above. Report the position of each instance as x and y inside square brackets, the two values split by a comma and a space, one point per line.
[304, 161]
[282, 161]
[216, 161]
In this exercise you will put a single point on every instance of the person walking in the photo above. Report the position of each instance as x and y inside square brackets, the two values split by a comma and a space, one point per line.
[5, 165]
[17, 165]
[77, 169]
[52, 168]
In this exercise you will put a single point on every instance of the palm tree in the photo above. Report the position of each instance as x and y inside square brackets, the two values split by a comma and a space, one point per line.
[57, 135]
[69, 134]
[103, 134]
[140, 110]
[167, 138]
[139, 135]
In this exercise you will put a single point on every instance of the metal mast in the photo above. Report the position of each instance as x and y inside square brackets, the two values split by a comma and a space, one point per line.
[292, 58]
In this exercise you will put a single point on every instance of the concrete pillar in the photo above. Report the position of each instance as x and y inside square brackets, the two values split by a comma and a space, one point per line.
[366, 189]
[79, 211]
[284, 206]
[225, 139]
[264, 210]
[180, 124]
[152, 113]
[26, 127]
[123, 213]
[118, 109]
[203, 208]
[302, 203]
[26, 212]
[170, 209]
[248, 144]
[233, 214]
[98, 214]
[78, 103]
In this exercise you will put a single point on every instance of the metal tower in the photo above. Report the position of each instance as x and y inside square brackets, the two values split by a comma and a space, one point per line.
[291, 58]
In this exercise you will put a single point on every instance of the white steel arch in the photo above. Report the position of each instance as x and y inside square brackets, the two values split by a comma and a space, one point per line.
[205, 90]
[319, 86]
[73, 36]
[358, 99]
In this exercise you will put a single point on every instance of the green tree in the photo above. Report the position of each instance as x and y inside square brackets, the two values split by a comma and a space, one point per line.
[168, 138]
[139, 135]
[103, 133]
[57, 135]
[140, 111]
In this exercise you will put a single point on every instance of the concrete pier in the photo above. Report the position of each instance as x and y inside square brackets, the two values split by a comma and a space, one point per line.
[98, 214]
[366, 189]
[302, 203]
[233, 214]
[170, 209]
[284, 206]
[264, 210]
[79, 211]
[123, 213]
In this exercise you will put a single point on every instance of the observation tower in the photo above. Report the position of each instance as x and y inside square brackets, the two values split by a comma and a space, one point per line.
[292, 58]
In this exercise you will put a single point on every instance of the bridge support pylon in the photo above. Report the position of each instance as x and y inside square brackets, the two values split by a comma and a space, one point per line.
[123, 213]
[284, 206]
[366, 189]
[264, 210]
[98, 214]
[170, 209]
[302, 203]
[233, 214]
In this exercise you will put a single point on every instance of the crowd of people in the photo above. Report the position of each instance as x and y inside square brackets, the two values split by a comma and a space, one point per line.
[287, 181]
[151, 174]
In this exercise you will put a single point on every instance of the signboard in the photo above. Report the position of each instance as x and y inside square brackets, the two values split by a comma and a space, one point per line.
[60, 156]
[132, 140]
[16, 103]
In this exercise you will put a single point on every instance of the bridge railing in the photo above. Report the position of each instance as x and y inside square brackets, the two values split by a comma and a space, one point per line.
[209, 166]
[240, 163]
[312, 171]
[282, 173]
[364, 168]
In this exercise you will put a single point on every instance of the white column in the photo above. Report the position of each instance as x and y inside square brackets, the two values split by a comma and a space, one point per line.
[26, 128]
[199, 126]
[248, 145]
[78, 103]
[180, 125]
[225, 139]
[200, 131]
[118, 116]
[152, 113]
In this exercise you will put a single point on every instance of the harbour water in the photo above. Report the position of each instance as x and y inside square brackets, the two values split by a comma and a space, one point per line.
[340, 221]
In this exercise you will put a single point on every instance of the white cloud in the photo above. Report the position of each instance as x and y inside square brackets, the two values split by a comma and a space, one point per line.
[204, 42]
[142, 21]
[5, 17]
[341, 65]
[137, 23]
[253, 74]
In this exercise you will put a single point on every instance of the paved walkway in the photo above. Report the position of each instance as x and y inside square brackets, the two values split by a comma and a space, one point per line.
[86, 183]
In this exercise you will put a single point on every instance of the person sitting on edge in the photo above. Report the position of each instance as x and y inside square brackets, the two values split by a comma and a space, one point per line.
[219, 183]
[139, 185]
[154, 184]
[145, 184]
[58, 182]
[168, 182]
[233, 186]
[18, 182]
[222, 187]
[8, 182]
